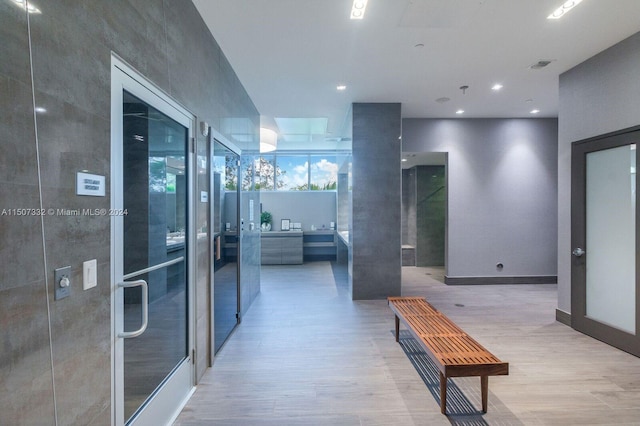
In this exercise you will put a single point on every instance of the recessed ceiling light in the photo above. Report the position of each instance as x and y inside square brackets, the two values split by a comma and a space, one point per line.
[528, 100]
[535, 111]
[497, 87]
[443, 100]
[404, 160]
[41, 109]
[460, 111]
[562, 10]
[341, 87]
[419, 45]
[358, 8]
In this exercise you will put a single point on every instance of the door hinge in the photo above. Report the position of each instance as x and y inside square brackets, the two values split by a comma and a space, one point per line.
[192, 145]
[193, 356]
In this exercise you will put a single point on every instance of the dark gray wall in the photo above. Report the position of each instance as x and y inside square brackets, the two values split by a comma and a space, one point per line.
[501, 189]
[66, 345]
[376, 203]
[599, 96]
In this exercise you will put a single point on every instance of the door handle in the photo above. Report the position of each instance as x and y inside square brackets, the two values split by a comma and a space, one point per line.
[578, 252]
[145, 308]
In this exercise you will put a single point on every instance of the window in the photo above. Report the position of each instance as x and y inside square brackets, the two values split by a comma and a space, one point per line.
[292, 173]
[265, 172]
[324, 173]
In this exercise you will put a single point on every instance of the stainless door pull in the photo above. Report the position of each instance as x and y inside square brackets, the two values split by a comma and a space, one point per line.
[145, 308]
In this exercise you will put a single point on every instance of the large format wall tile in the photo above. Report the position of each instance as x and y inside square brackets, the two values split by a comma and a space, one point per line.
[167, 42]
[376, 239]
[26, 385]
[18, 148]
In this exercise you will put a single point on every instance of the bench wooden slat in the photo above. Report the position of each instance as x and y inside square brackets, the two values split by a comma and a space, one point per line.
[454, 352]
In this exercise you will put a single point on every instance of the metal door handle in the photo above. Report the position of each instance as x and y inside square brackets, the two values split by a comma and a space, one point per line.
[578, 252]
[145, 308]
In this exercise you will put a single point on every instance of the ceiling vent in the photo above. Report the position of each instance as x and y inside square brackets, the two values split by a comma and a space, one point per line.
[540, 64]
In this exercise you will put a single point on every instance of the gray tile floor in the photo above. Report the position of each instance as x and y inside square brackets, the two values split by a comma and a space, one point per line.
[305, 354]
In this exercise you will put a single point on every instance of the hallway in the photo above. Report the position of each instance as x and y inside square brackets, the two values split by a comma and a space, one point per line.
[307, 355]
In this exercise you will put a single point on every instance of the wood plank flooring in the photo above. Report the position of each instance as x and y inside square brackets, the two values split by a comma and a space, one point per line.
[305, 354]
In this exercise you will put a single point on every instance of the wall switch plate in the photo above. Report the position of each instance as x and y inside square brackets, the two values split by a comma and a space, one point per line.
[89, 274]
[62, 283]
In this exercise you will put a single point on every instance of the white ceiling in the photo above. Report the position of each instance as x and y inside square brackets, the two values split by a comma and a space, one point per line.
[291, 54]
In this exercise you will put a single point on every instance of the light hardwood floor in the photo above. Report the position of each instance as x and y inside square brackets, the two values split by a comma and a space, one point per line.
[305, 354]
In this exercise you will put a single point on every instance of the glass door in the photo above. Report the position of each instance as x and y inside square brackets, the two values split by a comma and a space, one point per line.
[227, 227]
[151, 251]
[604, 240]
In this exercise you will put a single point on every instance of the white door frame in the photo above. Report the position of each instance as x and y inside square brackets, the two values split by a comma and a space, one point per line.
[172, 394]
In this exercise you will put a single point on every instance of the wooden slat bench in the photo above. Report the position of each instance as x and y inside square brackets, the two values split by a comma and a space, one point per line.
[454, 352]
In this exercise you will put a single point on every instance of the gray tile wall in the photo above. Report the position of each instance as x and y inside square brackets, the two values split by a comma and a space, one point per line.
[166, 41]
[26, 376]
[376, 205]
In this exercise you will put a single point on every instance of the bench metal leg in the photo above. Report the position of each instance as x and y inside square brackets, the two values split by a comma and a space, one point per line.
[443, 394]
[397, 329]
[484, 385]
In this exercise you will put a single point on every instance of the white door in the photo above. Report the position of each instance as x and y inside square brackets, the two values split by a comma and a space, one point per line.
[151, 252]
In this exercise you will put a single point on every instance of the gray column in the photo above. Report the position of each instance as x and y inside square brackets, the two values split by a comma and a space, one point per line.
[377, 190]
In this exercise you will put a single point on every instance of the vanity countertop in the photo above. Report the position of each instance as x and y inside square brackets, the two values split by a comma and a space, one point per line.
[292, 233]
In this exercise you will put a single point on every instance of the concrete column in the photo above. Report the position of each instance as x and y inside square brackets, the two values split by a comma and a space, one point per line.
[377, 194]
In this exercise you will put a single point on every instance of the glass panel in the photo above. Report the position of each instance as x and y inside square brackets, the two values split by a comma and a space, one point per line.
[324, 172]
[292, 172]
[155, 197]
[610, 243]
[225, 213]
[248, 163]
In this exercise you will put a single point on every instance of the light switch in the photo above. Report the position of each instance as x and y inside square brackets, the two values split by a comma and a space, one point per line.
[89, 274]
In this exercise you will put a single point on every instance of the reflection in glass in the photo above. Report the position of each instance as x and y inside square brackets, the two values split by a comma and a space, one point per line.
[225, 172]
[246, 172]
[155, 197]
